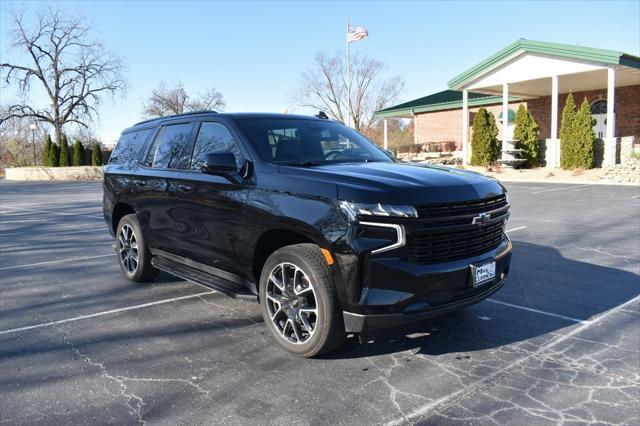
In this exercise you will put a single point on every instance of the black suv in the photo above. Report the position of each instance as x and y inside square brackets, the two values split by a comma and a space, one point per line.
[328, 231]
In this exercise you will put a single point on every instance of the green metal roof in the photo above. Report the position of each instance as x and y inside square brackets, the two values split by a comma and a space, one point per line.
[603, 56]
[447, 99]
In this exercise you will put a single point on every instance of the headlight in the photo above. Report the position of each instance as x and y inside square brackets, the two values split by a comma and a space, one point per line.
[352, 210]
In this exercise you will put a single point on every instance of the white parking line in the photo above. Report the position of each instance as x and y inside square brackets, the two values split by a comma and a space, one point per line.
[565, 188]
[537, 311]
[56, 261]
[516, 229]
[2, 222]
[473, 387]
[52, 212]
[103, 313]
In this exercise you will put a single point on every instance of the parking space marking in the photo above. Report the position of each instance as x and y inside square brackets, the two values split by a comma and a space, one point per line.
[56, 261]
[537, 311]
[566, 188]
[12, 232]
[2, 222]
[473, 387]
[516, 229]
[103, 313]
[52, 212]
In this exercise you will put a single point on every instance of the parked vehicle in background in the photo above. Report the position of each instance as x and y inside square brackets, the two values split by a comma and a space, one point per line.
[329, 233]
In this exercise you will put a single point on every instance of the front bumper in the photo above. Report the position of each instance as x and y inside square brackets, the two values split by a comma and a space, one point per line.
[397, 293]
[357, 323]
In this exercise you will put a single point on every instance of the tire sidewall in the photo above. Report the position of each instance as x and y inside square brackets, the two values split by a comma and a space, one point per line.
[320, 279]
[143, 253]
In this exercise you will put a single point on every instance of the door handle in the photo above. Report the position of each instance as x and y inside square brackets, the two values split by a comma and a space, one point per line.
[185, 188]
[140, 182]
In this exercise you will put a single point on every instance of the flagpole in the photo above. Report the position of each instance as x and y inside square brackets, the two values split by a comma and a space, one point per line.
[348, 75]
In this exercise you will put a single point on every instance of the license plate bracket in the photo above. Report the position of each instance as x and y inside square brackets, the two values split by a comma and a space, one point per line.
[483, 273]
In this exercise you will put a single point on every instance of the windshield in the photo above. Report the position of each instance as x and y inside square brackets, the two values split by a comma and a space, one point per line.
[309, 142]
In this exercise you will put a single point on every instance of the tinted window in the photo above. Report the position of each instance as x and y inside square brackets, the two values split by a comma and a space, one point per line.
[308, 142]
[129, 146]
[172, 148]
[213, 137]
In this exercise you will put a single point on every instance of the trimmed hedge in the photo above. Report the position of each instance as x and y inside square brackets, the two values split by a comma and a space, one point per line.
[485, 147]
[64, 152]
[55, 155]
[526, 135]
[78, 153]
[46, 152]
[577, 139]
[96, 155]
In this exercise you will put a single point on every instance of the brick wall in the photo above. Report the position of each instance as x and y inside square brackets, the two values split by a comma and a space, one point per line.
[627, 109]
[446, 126]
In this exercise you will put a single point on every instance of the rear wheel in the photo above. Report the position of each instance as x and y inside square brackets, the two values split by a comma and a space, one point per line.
[299, 303]
[133, 255]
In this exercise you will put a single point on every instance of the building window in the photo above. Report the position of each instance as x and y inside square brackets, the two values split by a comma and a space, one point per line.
[599, 107]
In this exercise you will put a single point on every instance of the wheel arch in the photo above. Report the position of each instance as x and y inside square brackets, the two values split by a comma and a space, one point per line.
[119, 211]
[274, 239]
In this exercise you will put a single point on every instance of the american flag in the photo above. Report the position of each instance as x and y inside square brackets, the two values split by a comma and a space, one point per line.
[356, 34]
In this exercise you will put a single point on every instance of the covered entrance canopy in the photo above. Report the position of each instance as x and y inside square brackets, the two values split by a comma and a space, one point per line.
[532, 69]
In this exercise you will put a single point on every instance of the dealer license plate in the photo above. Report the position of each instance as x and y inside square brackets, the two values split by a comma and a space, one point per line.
[483, 274]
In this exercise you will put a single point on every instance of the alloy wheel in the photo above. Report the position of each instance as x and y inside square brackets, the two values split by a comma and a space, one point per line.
[128, 248]
[292, 303]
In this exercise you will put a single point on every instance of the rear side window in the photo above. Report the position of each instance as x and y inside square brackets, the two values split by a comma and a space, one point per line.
[129, 146]
[171, 148]
[213, 137]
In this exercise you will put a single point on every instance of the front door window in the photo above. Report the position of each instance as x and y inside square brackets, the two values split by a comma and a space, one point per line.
[599, 115]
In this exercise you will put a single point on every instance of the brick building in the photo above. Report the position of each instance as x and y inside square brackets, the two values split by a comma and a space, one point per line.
[538, 75]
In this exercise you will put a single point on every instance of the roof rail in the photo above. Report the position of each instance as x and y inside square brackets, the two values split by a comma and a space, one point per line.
[203, 111]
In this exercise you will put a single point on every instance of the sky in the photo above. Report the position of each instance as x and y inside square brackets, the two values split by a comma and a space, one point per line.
[254, 52]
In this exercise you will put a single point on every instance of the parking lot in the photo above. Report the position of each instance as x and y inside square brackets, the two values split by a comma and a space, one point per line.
[79, 344]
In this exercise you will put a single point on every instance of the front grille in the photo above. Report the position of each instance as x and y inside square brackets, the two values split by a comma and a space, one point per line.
[446, 232]
[443, 210]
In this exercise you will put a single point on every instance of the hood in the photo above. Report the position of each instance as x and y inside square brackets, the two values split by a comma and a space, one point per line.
[399, 183]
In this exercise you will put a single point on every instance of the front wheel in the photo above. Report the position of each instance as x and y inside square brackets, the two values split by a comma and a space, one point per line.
[134, 257]
[299, 302]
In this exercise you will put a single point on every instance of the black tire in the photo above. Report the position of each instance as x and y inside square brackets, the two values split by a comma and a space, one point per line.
[328, 329]
[143, 270]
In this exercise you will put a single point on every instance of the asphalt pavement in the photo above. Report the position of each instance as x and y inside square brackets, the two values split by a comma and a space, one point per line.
[79, 344]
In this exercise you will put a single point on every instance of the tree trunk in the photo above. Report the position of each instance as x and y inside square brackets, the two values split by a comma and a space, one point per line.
[58, 132]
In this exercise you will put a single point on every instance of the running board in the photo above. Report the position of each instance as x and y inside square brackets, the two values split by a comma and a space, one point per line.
[216, 282]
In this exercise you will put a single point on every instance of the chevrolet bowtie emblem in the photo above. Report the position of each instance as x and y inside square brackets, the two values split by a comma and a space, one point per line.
[481, 219]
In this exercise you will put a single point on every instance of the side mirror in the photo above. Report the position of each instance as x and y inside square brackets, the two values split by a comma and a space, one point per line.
[220, 163]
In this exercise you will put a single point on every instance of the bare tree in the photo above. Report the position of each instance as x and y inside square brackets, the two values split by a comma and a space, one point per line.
[74, 71]
[18, 142]
[167, 100]
[327, 84]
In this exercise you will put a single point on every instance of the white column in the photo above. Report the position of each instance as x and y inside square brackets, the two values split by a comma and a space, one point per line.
[505, 118]
[552, 162]
[610, 144]
[465, 127]
[415, 129]
[386, 135]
